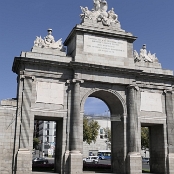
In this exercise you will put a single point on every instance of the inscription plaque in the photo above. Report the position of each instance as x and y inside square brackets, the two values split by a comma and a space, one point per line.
[151, 102]
[49, 92]
[102, 45]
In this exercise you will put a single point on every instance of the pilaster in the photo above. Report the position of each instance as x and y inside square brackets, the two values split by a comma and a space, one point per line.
[24, 162]
[170, 131]
[24, 157]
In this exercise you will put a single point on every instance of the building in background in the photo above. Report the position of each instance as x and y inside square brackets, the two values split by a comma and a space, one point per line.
[101, 141]
[46, 133]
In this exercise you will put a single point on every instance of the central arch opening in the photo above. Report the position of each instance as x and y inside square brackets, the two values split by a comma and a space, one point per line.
[106, 108]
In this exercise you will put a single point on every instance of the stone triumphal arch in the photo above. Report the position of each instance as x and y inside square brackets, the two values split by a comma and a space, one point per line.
[99, 61]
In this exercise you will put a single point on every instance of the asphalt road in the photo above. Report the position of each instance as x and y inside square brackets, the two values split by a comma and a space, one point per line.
[105, 162]
[50, 160]
[145, 166]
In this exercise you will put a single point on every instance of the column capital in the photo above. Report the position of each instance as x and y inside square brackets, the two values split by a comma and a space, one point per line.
[75, 81]
[26, 76]
[167, 91]
[133, 86]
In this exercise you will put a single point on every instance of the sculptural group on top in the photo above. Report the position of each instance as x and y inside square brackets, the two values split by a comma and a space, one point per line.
[49, 42]
[99, 13]
[144, 56]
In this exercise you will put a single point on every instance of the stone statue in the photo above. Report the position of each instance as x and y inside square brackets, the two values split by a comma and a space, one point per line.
[147, 57]
[38, 42]
[152, 56]
[104, 8]
[97, 5]
[49, 39]
[136, 56]
[86, 13]
[99, 14]
[49, 42]
[112, 16]
[143, 54]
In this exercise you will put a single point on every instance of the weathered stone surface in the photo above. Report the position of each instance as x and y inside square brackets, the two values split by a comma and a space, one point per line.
[115, 78]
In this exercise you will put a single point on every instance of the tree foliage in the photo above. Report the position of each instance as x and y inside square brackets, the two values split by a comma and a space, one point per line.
[108, 137]
[90, 130]
[144, 137]
[108, 134]
[35, 143]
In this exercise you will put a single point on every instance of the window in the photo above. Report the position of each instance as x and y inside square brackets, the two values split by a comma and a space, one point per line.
[102, 134]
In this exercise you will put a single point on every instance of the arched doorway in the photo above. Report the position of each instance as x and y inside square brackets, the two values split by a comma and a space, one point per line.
[117, 108]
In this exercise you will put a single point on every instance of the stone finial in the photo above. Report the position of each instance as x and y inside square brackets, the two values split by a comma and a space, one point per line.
[99, 14]
[49, 42]
[144, 56]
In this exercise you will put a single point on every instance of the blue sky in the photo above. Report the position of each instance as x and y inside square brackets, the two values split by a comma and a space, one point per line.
[152, 21]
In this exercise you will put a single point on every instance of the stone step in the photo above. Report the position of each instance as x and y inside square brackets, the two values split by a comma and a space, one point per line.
[85, 172]
[43, 172]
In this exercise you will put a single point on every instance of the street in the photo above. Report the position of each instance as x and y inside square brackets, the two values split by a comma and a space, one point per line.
[145, 166]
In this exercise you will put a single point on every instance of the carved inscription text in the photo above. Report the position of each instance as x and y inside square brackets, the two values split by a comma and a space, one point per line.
[102, 45]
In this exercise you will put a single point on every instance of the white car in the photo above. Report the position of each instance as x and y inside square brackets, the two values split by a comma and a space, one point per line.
[91, 159]
[145, 160]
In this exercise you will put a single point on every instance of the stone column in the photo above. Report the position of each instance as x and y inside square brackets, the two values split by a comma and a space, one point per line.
[76, 163]
[75, 121]
[170, 131]
[134, 161]
[131, 120]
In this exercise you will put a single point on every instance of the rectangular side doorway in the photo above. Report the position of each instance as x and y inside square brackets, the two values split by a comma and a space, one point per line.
[47, 148]
[153, 158]
[157, 149]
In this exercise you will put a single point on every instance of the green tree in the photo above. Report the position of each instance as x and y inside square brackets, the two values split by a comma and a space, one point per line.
[108, 137]
[90, 130]
[35, 143]
[144, 137]
[108, 134]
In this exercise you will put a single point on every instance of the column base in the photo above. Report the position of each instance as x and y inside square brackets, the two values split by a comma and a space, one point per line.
[66, 162]
[76, 162]
[134, 163]
[24, 162]
[170, 158]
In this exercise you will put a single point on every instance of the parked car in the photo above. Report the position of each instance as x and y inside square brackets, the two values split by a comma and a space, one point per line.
[39, 161]
[91, 159]
[145, 160]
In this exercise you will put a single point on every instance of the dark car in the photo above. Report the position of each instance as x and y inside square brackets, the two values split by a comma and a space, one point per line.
[39, 161]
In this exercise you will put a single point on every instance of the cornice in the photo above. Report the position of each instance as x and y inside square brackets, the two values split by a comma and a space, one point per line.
[18, 61]
[137, 74]
[99, 31]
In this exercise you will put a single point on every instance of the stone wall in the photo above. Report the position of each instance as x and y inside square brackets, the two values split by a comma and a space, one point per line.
[9, 135]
